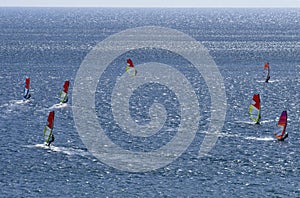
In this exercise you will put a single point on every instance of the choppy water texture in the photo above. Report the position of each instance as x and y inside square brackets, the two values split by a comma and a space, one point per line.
[49, 45]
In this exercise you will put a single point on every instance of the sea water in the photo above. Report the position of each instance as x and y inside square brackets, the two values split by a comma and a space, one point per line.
[49, 45]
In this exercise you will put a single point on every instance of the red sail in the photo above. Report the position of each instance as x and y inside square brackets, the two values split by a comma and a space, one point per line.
[256, 101]
[266, 65]
[51, 120]
[282, 122]
[129, 63]
[27, 83]
[66, 86]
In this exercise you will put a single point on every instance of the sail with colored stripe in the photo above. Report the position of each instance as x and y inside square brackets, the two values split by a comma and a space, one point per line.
[26, 89]
[48, 128]
[281, 133]
[130, 69]
[63, 98]
[267, 72]
[254, 109]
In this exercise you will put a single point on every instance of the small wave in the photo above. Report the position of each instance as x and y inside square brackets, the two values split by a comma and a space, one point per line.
[22, 101]
[260, 138]
[4, 105]
[65, 150]
[18, 102]
[59, 106]
[253, 123]
[13, 104]
[272, 81]
[260, 81]
[268, 138]
[266, 121]
[38, 146]
[70, 151]
[245, 122]
[228, 135]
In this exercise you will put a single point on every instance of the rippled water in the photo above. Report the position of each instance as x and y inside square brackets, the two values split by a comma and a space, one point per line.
[49, 45]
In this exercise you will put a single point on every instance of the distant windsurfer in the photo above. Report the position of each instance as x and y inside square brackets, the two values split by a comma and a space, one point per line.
[64, 93]
[280, 133]
[254, 109]
[48, 134]
[268, 68]
[51, 140]
[27, 95]
[130, 69]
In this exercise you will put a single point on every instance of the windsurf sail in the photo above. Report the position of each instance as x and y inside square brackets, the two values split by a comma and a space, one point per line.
[280, 133]
[63, 98]
[26, 89]
[48, 128]
[130, 69]
[254, 109]
[267, 72]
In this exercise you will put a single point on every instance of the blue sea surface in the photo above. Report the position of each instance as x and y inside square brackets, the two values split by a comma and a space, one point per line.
[49, 44]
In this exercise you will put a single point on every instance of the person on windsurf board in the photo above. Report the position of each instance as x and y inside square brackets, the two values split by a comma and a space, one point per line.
[281, 133]
[27, 95]
[130, 69]
[254, 109]
[48, 133]
[267, 69]
[63, 96]
[51, 140]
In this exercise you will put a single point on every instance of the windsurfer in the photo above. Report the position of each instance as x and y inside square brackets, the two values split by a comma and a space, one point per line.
[254, 109]
[64, 93]
[26, 95]
[280, 133]
[130, 69]
[267, 79]
[268, 68]
[51, 140]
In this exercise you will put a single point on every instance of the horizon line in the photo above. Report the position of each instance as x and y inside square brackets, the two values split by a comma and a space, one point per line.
[52, 6]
